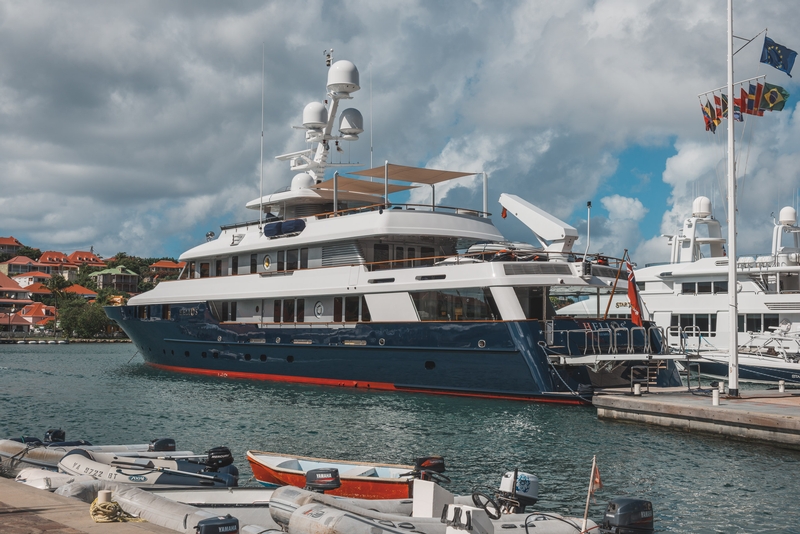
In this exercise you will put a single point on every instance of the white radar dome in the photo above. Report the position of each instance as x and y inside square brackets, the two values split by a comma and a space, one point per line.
[701, 207]
[302, 181]
[351, 123]
[315, 115]
[788, 216]
[343, 78]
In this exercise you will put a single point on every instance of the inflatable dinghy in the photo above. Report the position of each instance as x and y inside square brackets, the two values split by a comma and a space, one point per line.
[215, 469]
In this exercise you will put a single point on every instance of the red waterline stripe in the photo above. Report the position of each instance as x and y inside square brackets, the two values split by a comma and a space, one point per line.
[380, 386]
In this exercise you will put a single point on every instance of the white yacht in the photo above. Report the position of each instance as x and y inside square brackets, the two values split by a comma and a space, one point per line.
[337, 284]
[688, 298]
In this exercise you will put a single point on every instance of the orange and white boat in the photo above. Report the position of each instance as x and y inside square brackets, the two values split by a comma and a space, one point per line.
[358, 480]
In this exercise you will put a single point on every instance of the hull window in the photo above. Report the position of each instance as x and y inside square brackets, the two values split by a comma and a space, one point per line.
[703, 324]
[304, 258]
[756, 322]
[337, 309]
[351, 309]
[291, 260]
[192, 273]
[281, 260]
[224, 314]
[535, 302]
[380, 255]
[276, 315]
[301, 310]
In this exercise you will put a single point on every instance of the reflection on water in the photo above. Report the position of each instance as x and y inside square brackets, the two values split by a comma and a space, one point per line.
[697, 483]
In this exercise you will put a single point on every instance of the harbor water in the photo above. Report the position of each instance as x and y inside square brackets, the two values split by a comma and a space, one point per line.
[105, 394]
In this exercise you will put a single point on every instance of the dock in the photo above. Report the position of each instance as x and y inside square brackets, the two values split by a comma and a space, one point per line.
[28, 510]
[765, 416]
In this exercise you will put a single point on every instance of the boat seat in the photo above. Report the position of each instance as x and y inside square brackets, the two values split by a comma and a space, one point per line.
[290, 464]
[359, 471]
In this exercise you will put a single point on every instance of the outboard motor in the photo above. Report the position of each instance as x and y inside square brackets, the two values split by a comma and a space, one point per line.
[430, 468]
[219, 457]
[218, 525]
[55, 435]
[517, 491]
[625, 515]
[162, 445]
[322, 480]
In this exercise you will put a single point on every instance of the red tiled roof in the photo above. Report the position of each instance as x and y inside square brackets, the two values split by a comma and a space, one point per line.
[22, 260]
[38, 288]
[9, 284]
[10, 241]
[37, 309]
[39, 274]
[79, 257]
[16, 319]
[80, 290]
[166, 264]
[53, 257]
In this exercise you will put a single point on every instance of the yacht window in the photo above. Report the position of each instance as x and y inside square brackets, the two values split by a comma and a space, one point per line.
[412, 253]
[399, 254]
[740, 323]
[234, 265]
[535, 302]
[427, 254]
[281, 263]
[703, 287]
[337, 309]
[253, 263]
[753, 322]
[277, 311]
[365, 315]
[687, 323]
[380, 257]
[191, 270]
[166, 312]
[233, 311]
[224, 315]
[301, 310]
[688, 288]
[304, 258]
[702, 323]
[351, 309]
[291, 259]
[205, 269]
[218, 268]
[455, 305]
[721, 287]
[142, 312]
[771, 320]
[288, 310]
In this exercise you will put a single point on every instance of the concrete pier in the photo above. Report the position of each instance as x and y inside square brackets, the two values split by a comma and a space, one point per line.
[766, 416]
[27, 510]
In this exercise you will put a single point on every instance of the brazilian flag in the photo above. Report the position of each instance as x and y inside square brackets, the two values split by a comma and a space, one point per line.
[773, 98]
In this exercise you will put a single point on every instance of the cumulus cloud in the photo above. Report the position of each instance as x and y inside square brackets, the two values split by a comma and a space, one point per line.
[136, 127]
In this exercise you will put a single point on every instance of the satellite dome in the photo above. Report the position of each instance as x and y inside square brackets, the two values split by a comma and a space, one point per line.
[315, 115]
[701, 207]
[788, 216]
[351, 123]
[302, 181]
[343, 78]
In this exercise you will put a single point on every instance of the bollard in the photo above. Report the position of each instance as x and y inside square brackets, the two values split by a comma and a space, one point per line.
[104, 496]
[637, 390]
[715, 397]
[722, 386]
[782, 386]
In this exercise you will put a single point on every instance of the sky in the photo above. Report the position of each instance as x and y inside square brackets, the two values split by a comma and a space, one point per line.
[135, 126]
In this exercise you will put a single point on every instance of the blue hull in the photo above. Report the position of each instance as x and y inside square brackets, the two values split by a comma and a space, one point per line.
[485, 359]
[750, 373]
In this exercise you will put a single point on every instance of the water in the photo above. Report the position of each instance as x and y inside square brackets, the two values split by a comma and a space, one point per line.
[104, 393]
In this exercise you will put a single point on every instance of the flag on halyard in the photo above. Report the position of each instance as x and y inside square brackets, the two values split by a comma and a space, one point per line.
[710, 126]
[751, 100]
[718, 107]
[778, 56]
[724, 106]
[759, 94]
[633, 295]
[737, 110]
[774, 97]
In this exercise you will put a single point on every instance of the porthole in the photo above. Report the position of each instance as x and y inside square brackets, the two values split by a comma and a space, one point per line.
[173, 352]
[430, 365]
[263, 357]
[481, 343]
[290, 358]
[257, 309]
[186, 353]
[277, 340]
[247, 357]
[381, 341]
[319, 309]
[266, 262]
[204, 355]
[215, 353]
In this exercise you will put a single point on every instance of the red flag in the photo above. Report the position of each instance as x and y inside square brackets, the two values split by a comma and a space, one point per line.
[504, 213]
[744, 102]
[759, 92]
[597, 484]
[633, 296]
[718, 106]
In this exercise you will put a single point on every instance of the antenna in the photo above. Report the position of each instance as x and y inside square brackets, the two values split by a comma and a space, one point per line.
[261, 190]
[370, 117]
[588, 227]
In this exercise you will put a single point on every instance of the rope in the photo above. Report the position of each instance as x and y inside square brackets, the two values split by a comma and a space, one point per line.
[110, 512]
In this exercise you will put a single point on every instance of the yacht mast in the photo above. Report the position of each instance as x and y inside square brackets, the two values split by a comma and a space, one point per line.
[733, 319]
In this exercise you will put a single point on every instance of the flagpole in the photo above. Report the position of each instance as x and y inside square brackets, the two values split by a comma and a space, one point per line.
[589, 494]
[733, 319]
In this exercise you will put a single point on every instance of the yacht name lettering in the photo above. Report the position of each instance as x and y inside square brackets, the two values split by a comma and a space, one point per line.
[189, 311]
[623, 305]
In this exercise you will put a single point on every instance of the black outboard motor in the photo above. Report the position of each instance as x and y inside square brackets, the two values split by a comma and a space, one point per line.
[218, 525]
[162, 445]
[625, 515]
[322, 480]
[219, 457]
[55, 435]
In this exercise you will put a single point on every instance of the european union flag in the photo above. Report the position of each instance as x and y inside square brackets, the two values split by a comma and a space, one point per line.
[778, 56]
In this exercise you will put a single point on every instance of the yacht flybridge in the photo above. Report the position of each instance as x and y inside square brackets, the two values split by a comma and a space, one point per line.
[337, 284]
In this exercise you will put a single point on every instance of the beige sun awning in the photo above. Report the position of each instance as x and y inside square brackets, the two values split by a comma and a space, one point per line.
[417, 175]
[353, 185]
